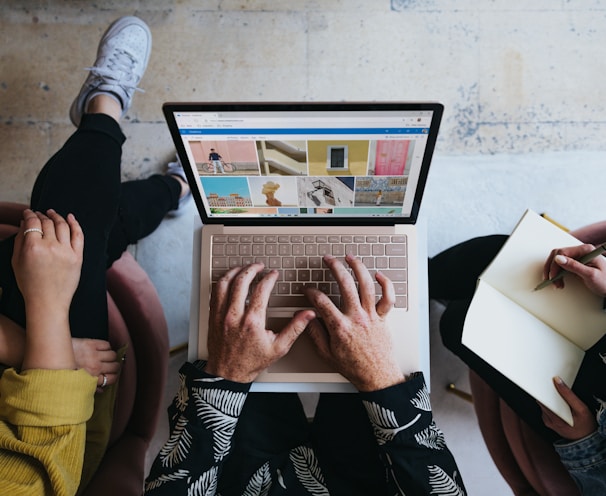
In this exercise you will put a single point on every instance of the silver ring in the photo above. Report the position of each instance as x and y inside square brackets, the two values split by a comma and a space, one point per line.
[104, 381]
[33, 229]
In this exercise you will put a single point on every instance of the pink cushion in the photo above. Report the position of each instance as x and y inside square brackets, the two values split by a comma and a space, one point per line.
[125, 396]
[11, 213]
[7, 231]
[528, 464]
[140, 306]
[10, 218]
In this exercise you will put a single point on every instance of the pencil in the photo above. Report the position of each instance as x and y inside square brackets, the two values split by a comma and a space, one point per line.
[585, 259]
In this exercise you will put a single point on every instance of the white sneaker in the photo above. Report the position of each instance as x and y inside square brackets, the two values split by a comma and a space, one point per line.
[122, 58]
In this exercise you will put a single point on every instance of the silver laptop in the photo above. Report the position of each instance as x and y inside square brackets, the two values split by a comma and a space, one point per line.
[285, 183]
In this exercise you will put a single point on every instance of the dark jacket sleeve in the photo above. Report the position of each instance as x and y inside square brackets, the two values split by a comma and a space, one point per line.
[202, 417]
[412, 447]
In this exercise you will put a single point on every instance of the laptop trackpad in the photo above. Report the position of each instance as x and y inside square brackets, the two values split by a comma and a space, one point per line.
[302, 357]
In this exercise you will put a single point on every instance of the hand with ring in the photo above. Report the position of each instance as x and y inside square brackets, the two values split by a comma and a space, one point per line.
[97, 357]
[47, 259]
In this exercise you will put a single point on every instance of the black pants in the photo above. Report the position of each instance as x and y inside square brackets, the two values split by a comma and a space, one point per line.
[341, 436]
[83, 178]
[452, 276]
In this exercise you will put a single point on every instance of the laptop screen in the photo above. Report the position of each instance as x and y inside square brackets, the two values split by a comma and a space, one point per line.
[307, 163]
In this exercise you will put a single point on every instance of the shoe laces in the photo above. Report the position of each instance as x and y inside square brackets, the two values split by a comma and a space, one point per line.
[119, 62]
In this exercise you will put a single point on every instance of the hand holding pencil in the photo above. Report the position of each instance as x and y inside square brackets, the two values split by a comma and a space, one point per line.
[582, 260]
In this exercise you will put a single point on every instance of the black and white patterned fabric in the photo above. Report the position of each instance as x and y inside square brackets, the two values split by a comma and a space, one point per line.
[205, 415]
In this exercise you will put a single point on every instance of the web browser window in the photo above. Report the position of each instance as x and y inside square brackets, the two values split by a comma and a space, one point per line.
[307, 163]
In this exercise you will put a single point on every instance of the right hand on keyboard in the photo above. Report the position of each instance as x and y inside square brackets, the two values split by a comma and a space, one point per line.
[355, 339]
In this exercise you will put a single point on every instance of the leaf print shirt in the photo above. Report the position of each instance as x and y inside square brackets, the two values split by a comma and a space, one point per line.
[203, 420]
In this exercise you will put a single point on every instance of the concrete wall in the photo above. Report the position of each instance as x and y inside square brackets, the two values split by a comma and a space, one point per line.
[515, 76]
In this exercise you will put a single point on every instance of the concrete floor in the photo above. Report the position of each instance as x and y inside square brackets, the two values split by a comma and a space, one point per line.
[466, 195]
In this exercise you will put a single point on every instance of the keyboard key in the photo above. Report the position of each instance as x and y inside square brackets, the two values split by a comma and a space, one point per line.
[364, 250]
[397, 262]
[397, 249]
[323, 250]
[401, 302]
[338, 250]
[383, 263]
[315, 262]
[400, 288]
[395, 275]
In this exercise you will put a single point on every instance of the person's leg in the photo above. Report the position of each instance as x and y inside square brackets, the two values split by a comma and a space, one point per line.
[270, 425]
[142, 207]
[84, 176]
[345, 445]
[453, 276]
[451, 330]
[453, 273]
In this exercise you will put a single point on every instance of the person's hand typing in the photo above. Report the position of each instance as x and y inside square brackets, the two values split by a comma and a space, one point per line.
[240, 347]
[593, 274]
[355, 339]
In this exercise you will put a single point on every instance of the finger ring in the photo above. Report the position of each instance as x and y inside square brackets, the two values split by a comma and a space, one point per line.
[104, 381]
[33, 229]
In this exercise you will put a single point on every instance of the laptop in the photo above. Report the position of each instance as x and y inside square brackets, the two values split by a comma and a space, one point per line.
[285, 183]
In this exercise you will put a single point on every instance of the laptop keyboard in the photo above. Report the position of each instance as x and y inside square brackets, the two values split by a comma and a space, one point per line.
[298, 260]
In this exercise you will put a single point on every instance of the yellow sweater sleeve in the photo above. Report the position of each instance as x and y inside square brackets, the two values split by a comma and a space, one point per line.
[43, 416]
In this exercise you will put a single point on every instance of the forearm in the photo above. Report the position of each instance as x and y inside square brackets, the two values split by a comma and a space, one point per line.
[594, 234]
[413, 448]
[48, 342]
[203, 418]
[12, 342]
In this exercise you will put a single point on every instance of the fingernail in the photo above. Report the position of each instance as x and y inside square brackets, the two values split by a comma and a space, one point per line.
[561, 259]
[558, 380]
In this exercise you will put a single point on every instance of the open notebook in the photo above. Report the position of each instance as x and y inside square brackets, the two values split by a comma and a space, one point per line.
[284, 183]
[531, 336]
